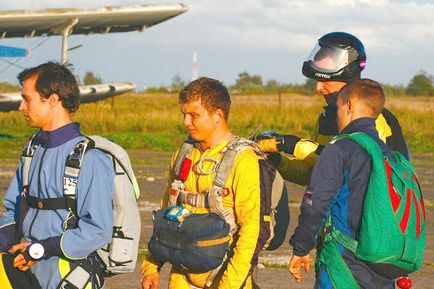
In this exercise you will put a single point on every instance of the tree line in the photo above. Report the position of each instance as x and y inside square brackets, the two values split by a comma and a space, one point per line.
[421, 84]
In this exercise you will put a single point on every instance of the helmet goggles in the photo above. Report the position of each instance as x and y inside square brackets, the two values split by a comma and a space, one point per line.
[335, 60]
[329, 59]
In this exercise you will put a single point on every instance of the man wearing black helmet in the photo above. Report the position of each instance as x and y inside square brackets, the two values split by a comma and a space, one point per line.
[337, 59]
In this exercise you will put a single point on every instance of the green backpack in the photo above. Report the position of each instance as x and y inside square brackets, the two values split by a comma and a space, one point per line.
[392, 231]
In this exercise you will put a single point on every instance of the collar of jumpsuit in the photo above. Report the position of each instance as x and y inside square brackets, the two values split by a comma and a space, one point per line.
[57, 137]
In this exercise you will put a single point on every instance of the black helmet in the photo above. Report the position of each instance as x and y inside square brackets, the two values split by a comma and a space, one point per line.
[337, 56]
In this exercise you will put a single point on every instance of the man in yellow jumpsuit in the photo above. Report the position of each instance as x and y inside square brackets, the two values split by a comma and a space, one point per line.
[337, 59]
[205, 105]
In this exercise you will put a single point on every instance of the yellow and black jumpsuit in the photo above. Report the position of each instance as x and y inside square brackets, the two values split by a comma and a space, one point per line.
[298, 163]
[242, 198]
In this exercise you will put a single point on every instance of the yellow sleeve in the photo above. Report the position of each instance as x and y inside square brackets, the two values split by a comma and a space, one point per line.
[384, 130]
[297, 168]
[296, 171]
[246, 188]
[150, 264]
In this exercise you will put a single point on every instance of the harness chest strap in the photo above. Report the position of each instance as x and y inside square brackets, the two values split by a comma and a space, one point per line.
[195, 200]
[46, 204]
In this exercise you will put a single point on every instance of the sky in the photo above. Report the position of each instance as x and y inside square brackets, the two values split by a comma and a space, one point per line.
[270, 38]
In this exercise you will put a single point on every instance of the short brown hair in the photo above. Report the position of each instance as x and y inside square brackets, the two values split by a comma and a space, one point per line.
[211, 92]
[366, 90]
[53, 77]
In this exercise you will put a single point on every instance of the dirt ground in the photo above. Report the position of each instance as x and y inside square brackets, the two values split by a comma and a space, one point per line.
[151, 169]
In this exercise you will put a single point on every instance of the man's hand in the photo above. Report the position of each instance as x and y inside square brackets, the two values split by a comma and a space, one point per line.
[20, 261]
[295, 265]
[151, 281]
[19, 247]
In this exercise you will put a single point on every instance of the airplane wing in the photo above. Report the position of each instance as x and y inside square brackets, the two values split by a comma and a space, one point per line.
[29, 23]
[88, 93]
[48, 22]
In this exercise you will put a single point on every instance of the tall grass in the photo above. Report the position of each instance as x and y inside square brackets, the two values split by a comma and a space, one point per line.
[154, 121]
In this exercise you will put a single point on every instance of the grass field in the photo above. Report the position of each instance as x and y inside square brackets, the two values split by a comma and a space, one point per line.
[154, 122]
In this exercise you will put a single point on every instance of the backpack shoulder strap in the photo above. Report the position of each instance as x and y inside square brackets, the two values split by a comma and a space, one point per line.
[72, 171]
[234, 147]
[372, 149]
[365, 141]
[26, 158]
[177, 186]
[184, 150]
[230, 153]
[214, 197]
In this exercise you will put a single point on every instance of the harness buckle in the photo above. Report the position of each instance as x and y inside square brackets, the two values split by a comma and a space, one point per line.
[326, 232]
[25, 192]
[69, 216]
[328, 229]
[174, 192]
[210, 160]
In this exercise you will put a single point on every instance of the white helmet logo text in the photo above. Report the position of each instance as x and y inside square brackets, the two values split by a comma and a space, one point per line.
[322, 75]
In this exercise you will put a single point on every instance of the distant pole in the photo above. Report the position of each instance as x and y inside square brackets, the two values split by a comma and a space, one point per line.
[195, 68]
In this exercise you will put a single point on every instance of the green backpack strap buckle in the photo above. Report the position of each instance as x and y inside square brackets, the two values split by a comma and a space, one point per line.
[330, 233]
